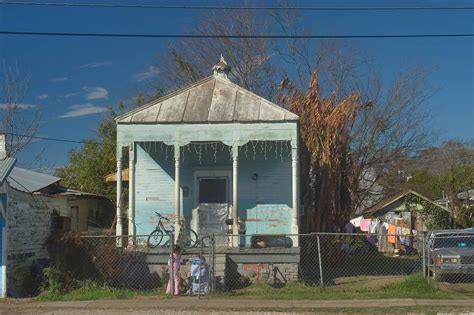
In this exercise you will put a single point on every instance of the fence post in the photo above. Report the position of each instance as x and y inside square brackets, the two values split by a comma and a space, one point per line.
[200, 257]
[428, 264]
[320, 262]
[171, 264]
[212, 277]
[423, 261]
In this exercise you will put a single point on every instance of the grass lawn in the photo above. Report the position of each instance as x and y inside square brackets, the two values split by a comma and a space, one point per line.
[413, 286]
[360, 287]
[90, 291]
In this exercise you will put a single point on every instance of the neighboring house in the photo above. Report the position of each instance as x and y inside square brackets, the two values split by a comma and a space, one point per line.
[209, 152]
[393, 210]
[6, 165]
[35, 203]
[466, 196]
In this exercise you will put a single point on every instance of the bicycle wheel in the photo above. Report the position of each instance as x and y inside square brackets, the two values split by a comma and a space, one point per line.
[188, 238]
[155, 238]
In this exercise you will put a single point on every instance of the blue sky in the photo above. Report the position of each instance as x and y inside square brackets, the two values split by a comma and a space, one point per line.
[73, 80]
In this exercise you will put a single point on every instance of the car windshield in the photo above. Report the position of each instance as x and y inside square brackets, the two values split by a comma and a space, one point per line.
[454, 241]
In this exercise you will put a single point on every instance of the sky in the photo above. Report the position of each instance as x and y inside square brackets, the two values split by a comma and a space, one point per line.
[74, 80]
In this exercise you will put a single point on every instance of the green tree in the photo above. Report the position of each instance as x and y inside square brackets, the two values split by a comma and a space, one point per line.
[89, 164]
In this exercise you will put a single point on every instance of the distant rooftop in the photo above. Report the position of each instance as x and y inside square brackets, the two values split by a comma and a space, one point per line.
[30, 181]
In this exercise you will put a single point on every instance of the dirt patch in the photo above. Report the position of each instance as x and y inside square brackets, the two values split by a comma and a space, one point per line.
[365, 282]
[464, 288]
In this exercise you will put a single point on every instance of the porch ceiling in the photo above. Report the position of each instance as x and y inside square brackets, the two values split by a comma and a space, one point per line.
[211, 100]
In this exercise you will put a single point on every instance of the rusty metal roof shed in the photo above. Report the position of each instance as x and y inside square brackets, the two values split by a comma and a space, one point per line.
[213, 99]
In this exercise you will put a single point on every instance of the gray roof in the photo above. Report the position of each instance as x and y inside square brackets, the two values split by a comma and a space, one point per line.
[211, 100]
[30, 181]
[466, 195]
[6, 167]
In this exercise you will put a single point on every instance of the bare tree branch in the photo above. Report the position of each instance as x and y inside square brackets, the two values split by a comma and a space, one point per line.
[19, 121]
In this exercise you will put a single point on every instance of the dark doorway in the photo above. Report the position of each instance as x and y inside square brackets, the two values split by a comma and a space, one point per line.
[213, 190]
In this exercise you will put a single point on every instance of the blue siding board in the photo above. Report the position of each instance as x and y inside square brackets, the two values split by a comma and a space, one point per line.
[265, 203]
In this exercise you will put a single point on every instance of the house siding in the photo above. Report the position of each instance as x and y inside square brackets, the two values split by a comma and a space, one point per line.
[29, 225]
[264, 204]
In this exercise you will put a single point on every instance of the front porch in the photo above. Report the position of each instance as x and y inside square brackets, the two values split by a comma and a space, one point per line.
[256, 181]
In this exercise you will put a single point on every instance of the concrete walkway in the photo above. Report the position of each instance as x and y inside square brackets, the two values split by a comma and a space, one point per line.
[192, 305]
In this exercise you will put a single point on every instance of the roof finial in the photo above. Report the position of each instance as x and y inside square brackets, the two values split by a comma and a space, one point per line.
[221, 68]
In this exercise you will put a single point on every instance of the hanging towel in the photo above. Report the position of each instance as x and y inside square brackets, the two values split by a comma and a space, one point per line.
[364, 225]
[356, 221]
[392, 230]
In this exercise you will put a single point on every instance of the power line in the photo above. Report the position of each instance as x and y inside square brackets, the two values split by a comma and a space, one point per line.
[206, 7]
[51, 139]
[129, 35]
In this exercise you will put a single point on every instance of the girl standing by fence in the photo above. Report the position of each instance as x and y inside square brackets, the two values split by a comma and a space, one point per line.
[175, 259]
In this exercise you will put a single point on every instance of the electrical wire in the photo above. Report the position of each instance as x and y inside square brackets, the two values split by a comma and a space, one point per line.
[51, 139]
[130, 35]
[207, 7]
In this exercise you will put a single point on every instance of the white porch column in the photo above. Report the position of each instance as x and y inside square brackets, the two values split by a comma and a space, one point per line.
[131, 193]
[177, 194]
[118, 225]
[235, 197]
[295, 179]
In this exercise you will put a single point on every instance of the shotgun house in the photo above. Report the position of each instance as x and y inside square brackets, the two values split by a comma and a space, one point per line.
[214, 154]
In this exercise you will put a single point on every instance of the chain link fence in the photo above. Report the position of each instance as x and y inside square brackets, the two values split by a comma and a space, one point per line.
[231, 263]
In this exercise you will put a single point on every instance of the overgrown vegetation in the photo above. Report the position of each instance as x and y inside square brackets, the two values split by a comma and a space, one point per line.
[89, 290]
[433, 216]
[75, 262]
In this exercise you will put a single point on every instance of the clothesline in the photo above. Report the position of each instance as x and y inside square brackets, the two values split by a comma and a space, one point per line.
[381, 229]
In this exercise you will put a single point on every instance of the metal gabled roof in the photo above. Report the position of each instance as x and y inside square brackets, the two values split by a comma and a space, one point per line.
[391, 199]
[6, 166]
[211, 100]
[30, 181]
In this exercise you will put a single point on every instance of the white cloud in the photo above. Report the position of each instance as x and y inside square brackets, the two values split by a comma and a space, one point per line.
[43, 96]
[150, 73]
[61, 79]
[83, 110]
[19, 106]
[68, 95]
[96, 64]
[94, 93]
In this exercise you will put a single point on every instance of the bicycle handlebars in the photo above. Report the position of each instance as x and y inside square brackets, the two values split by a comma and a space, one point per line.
[162, 217]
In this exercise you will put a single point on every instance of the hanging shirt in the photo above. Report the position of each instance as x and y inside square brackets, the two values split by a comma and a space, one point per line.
[392, 231]
[405, 232]
[364, 225]
[356, 221]
[373, 226]
[349, 227]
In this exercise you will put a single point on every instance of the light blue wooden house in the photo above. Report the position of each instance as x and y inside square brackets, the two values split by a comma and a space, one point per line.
[209, 152]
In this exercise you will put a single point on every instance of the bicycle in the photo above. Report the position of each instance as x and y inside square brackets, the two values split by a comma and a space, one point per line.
[187, 237]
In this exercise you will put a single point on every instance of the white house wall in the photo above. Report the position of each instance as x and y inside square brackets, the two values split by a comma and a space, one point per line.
[29, 225]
